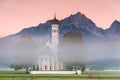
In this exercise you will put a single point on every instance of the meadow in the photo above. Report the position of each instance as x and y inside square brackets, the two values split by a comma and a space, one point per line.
[93, 75]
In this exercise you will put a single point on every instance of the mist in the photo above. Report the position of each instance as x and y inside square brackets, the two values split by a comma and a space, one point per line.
[109, 49]
[27, 50]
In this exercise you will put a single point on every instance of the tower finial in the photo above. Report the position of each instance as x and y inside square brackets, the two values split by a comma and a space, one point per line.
[54, 15]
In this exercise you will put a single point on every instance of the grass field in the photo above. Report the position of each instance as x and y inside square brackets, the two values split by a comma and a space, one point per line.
[21, 75]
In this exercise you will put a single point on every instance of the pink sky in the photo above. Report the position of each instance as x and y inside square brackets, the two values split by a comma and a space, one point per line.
[18, 14]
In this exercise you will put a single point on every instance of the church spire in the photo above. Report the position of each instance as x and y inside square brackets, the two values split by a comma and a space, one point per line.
[54, 15]
[55, 21]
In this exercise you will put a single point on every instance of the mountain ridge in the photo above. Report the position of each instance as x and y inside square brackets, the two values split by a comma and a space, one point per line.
[114, 29]
[74, 23]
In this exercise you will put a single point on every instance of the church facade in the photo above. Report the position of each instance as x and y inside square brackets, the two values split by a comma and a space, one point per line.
[48, 61]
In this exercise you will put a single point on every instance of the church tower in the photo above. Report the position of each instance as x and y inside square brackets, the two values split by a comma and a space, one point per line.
[55, 41]
[55, 32]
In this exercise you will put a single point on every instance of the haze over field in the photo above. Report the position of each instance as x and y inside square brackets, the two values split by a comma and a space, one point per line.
[103, 54]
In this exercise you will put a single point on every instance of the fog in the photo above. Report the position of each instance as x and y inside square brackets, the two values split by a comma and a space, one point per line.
[28, 49]
[103, 50]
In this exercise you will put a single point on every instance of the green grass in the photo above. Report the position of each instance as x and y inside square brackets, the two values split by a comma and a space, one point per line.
[96, 75]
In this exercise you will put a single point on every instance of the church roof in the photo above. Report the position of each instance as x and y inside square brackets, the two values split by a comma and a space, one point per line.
[55, 21]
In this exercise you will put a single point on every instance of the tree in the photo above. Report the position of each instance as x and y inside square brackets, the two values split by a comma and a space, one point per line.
[16, 66]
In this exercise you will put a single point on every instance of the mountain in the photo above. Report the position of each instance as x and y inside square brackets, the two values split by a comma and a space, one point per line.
[74, 23]
[77, 23]
[82, 22]
[114, 30]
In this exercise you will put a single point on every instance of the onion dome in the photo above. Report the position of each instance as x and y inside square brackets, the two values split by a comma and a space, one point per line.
[55, 21]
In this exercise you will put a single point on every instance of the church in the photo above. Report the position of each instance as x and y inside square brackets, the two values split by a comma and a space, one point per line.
[48, 61]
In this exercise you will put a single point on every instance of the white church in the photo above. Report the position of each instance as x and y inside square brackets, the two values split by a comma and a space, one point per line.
[48, 62]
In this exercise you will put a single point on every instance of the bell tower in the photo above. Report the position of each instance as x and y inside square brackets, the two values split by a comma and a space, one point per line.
[55, 32]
